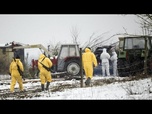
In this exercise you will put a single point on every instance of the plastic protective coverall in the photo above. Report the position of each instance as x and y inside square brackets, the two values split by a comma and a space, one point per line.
[105, 62]
[89, 61]
[114, 63]
[45, 76]
[15, 76]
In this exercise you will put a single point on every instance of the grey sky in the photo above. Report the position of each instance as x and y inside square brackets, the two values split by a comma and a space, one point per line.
[46, 28]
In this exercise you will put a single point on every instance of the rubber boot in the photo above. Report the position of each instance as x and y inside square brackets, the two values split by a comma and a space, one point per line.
[42, 87]
[47, 85]
[87, 82]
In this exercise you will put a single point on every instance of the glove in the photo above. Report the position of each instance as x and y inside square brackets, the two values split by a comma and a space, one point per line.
[9, 73]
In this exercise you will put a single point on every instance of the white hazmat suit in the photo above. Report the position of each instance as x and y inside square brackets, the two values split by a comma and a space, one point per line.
[114, 63]
[105, 62]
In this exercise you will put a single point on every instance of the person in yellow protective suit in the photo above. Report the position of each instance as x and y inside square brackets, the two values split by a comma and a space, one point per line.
[45, 75]
[15, 75]
[89, 61]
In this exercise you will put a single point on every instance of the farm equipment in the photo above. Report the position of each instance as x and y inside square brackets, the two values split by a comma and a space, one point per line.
[68, 59]
[134, 55]
[67, 63]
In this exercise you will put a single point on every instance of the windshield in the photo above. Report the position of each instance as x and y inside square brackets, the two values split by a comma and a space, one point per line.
[134, 43]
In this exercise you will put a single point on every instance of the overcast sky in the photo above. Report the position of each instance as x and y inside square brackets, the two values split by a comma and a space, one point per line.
[46, 28]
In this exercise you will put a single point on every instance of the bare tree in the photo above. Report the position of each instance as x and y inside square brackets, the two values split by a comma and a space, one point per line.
[146, 19]
[93, 41]
[145, 22]
[54, 48]
[96, 41]
[75, 34]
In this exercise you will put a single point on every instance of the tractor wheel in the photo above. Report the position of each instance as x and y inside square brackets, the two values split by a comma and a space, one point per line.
[73, 68]
[123, 68]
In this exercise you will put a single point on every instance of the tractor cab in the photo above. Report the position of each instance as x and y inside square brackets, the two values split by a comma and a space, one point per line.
[133, 51]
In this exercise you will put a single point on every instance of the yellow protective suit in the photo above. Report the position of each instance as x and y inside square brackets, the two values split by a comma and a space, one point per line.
[45, 76]
[15, 76]
[89, 61]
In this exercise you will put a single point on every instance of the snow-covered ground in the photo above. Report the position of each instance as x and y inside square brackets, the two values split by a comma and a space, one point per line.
[135, 89]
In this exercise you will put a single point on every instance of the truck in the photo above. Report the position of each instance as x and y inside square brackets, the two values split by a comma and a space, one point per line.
[67, 63]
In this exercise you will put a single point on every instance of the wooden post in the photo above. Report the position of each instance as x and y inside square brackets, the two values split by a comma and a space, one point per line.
[145, 60]
[81, 68]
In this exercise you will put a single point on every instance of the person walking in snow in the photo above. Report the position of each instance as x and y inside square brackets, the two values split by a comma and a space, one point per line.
[114, 63]
[105, 62]
[15, 75]
[44, 66]
[89, 61]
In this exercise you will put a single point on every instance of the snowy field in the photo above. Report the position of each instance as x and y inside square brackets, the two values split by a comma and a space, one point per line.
[117, 90]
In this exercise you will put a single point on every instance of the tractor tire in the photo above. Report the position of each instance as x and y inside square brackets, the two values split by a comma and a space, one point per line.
[73, 68]
[123, 68]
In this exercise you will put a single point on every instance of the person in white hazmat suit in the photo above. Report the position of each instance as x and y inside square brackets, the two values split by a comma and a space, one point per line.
[113, 59]
[105, 62]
